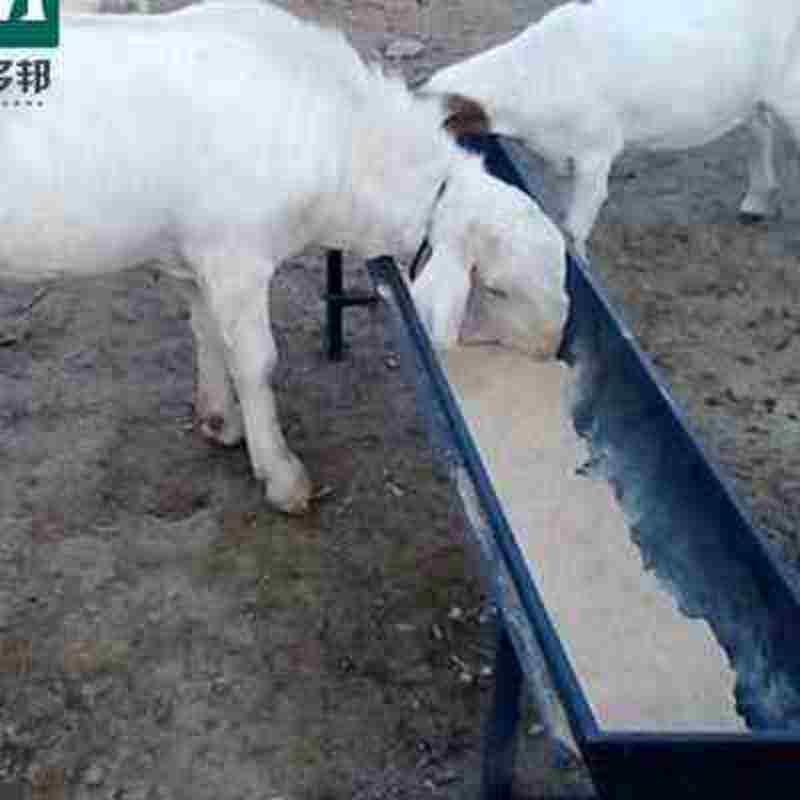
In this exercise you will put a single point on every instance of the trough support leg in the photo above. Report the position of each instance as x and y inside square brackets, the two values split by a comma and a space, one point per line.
[334, 305]
[501, 726]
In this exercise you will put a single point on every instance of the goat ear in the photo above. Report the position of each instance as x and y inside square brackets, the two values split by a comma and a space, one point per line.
[464, 116]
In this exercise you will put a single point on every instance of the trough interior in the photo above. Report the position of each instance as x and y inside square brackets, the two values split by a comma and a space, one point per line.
[642, 663]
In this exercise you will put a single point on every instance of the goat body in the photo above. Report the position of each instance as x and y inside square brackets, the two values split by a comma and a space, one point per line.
[591, 79]
[217, 141]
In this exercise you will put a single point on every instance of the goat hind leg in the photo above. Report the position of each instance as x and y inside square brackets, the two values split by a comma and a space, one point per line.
[786, 103]
[761, 200]
[216, 408]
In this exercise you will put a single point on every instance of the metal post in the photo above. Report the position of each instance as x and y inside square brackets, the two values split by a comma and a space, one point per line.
[334, 304]
[336, 300]
[501, 725]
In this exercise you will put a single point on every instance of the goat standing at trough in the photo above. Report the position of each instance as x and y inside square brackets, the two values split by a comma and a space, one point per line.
[589, 80]
[227, 138]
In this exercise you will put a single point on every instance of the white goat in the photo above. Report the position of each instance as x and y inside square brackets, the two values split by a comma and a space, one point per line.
[228, 137]
[589, 80]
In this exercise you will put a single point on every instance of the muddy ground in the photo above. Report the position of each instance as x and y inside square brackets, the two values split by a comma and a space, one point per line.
[165, 636]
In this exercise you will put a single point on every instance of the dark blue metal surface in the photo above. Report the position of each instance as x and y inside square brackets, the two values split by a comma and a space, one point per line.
[501, 727]
[691, 530]
[333, 306]
[664, 767]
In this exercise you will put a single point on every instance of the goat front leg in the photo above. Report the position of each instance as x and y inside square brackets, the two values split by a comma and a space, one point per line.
[238, 300]
[589, 192]
[761, 200]
[216, 407]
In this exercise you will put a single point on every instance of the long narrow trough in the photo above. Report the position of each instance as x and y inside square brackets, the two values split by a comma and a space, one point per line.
[636, 597]
[643, 664]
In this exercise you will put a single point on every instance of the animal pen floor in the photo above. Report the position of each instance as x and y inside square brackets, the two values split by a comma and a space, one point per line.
[165, 636]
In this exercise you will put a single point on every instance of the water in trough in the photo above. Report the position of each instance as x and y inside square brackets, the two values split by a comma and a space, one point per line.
[642, 663]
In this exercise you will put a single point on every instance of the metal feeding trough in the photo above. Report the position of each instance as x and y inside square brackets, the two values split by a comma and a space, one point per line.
[689, 528]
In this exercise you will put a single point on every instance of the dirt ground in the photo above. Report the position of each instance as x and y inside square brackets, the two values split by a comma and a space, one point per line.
[164, 636]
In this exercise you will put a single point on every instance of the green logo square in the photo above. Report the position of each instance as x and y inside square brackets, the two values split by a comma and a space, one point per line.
[28, 23]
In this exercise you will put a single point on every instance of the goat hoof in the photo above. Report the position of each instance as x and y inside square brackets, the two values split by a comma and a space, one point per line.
[754, 212]
[220, 430]
[751, 218]
[292, 496]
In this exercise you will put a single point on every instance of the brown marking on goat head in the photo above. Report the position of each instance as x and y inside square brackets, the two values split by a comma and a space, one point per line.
[465, 116]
